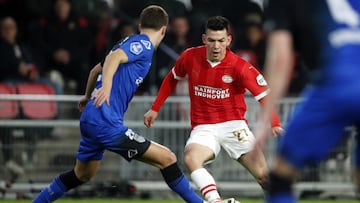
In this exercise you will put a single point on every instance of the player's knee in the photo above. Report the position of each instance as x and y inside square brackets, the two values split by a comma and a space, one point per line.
[169, 158]
[70, 179]
[85, 176]
[263, 179]
[189, 160]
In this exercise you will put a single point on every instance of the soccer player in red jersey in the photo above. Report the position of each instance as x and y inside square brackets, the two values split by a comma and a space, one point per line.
[217, 80]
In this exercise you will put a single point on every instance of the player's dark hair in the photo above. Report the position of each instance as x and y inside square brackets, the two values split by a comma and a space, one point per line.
[217, 23]
[154, 17]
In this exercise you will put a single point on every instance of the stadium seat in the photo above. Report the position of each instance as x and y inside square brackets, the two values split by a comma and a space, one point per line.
[37, 109]
[8, 109]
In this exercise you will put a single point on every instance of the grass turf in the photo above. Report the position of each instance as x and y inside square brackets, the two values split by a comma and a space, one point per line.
[67, 200]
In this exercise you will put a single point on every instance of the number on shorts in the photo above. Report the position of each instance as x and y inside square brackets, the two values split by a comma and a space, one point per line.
[240, 134]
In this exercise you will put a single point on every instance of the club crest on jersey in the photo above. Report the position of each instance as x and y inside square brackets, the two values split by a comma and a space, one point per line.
[146, 43]
[261, 80]
[227, 78]
[136, 48]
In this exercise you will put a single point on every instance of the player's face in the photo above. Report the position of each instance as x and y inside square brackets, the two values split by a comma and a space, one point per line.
[216, 42]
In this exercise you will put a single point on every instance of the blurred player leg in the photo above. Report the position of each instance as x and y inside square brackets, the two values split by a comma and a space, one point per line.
[281, 182]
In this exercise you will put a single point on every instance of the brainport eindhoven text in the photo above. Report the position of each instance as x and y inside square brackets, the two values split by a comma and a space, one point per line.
[211, 92]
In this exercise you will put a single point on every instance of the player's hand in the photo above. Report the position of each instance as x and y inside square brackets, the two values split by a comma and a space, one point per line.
[100, 96]
[82, 103]
[277, 131]
[150, 117]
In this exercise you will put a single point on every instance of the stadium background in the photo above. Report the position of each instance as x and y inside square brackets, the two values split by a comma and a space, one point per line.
[44, 146]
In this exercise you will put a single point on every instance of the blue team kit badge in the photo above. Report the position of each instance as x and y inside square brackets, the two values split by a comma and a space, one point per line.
[146, 43]
[136, 48]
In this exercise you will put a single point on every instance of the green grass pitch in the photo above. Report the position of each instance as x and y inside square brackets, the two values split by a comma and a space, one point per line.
[66, 200]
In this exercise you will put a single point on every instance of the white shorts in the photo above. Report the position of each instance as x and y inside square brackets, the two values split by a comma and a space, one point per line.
[234, 136]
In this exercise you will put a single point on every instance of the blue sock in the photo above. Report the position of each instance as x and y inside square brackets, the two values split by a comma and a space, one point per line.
[281, 198]
[182, 187]
[54, 191]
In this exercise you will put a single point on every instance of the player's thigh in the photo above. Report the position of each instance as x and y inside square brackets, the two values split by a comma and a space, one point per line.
[158, 155]
[86, 170]
[130, 144]
[203, 144]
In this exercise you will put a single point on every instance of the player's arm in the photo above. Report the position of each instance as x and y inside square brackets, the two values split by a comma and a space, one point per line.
[258, 86]
[274, 119]
[167, 87]
[111, 64]
[90, 85]
[278, 67]
[91, 82]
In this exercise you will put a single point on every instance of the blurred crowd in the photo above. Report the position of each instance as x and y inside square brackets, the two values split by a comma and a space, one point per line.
[57, 42]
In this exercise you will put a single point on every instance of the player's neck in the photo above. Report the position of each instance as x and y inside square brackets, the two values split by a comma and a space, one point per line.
[154, 36]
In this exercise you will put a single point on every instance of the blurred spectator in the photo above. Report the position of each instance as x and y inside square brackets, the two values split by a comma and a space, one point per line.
[253, 47]
[15, 59]
[17, 65]
[299, 78]
[201, 11]
[173, 7]
[18, 10]
[177, 39]
[103, 21]
[242, 14]
[178, 36]
[122, 30]
[64, 39]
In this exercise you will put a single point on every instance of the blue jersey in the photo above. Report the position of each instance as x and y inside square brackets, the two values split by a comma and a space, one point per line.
[126, 81]
[326, 34]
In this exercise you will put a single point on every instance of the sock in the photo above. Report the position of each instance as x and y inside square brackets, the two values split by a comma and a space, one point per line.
[280, 190]
[58, 187]
[54, 191]
[205, 181]
[281, 198]
[177, 181]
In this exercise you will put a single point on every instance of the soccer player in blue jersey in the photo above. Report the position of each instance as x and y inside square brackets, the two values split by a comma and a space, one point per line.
[326, 35]
[110, 87]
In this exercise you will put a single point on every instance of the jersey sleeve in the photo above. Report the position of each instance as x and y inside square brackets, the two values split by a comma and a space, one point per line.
[135, 48]
[167, 87]
[254, 81]
[179, 69]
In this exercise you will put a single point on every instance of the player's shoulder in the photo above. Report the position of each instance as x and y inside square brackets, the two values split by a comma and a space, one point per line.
[140, 39]
[135, 43]
[232, 57]
[193, 50]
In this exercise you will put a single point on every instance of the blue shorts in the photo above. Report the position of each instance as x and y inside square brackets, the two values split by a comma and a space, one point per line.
[95, 139]
[318, 126]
